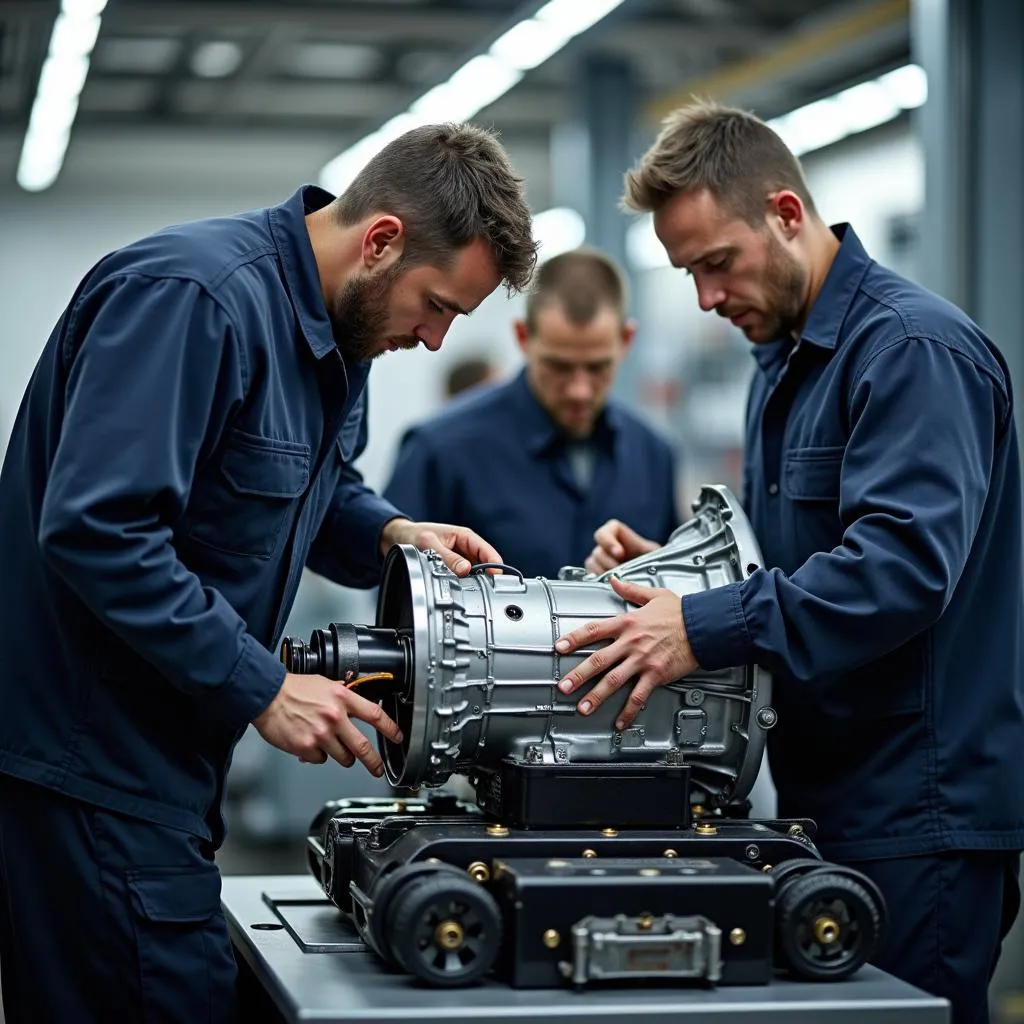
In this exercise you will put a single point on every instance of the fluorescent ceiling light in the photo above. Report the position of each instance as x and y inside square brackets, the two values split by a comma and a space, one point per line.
[528, 43]
[60, 84]
[479, 82]
[853, 110]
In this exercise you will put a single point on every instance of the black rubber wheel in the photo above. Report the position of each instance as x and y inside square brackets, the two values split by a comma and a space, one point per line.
[445, 929]
[876, 895]
[784, 873]
[384, 891]
[827, 925]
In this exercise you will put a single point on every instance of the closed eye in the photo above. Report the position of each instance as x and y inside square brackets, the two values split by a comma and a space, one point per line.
[435, 306]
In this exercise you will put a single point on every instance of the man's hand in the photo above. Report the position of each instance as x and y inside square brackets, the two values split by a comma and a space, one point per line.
[311, 717]
[648, 644]
[459, 546]
[615, 543]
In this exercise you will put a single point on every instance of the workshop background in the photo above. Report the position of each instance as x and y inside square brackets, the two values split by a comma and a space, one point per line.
[117, 118]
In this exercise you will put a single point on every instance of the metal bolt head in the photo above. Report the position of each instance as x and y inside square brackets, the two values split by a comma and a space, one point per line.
[588, 853]
[670, 853]
[479, 872]
[448, 935]
[796, 830]
[609, 832]
[497, 830]
[551, 938]
[752, 852]
[737, 936]
[706, 830]
[767, 717]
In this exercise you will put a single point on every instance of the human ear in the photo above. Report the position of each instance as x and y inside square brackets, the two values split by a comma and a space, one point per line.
[383, 241]
[787, 209]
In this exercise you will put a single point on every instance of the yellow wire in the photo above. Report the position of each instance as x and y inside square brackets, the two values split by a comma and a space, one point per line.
[370, 678]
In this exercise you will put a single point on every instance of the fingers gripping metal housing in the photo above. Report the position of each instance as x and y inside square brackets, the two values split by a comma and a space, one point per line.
[482, 669]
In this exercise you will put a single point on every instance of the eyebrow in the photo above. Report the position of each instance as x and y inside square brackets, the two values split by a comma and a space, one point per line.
[453, 306]
[722, 250]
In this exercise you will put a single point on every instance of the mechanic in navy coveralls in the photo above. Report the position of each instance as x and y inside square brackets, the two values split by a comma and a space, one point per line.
[537, 464]
[184, 448]
[882, 479]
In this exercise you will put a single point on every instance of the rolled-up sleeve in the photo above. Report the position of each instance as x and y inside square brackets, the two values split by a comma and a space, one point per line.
[153, 372]
[924, 422]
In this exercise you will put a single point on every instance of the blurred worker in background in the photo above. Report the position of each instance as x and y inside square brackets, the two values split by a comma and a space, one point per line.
[184, 448]
[538, 463]
[882, 479]
[468, 373]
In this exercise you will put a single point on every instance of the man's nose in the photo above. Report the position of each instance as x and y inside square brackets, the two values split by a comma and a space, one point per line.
[580, 387]
[710, 296]
[432, 337]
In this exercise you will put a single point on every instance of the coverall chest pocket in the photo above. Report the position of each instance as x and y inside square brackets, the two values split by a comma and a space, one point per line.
[810, 511]
[243, 504]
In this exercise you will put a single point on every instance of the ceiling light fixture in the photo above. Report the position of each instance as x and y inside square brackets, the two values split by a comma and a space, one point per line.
[477, 83]
[60, 85]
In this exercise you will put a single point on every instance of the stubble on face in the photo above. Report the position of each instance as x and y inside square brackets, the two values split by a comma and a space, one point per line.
[359, 316]
[785, 283]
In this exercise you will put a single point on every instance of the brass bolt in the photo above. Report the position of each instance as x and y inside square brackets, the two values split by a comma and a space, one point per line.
[551, 938]
[609, 832]
[649, 872]
[826, 930]
[645, 922]
[448, 935]
[479, 872]
[706, 830]
[697, 809]
[497, 830]
[737, 936]
[670, 853]
[767, 868]
[589, 853]
[796, 830]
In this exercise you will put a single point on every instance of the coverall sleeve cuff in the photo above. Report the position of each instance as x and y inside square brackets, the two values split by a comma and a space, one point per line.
[252, 685]
[716, 628]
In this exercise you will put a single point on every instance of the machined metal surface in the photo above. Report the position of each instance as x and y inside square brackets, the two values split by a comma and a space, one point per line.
[483, 672]
[664, 946]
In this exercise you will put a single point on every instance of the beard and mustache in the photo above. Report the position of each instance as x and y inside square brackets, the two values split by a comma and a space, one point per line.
[359, 315]
[785, 283]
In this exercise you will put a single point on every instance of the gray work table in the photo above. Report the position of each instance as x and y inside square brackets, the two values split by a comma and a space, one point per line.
[279, 922]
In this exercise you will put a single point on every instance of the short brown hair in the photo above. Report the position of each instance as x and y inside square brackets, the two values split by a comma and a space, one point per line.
[581, 281]
[449, 184]
[729, 152]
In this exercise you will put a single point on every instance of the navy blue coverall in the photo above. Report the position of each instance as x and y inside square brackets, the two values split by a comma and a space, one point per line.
[522, 496]
[184, 448]
[882, 479]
